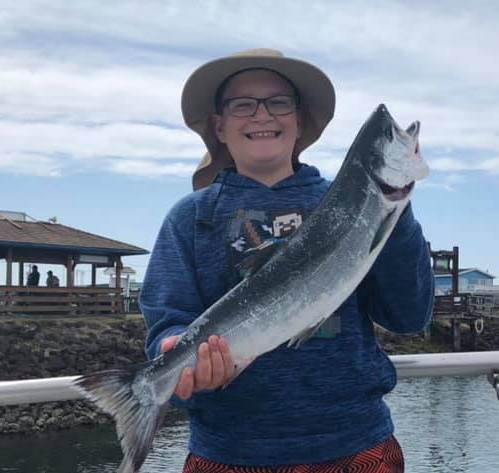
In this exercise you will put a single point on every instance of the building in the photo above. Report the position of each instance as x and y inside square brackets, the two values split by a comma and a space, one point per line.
[24, 240]
[470, 280]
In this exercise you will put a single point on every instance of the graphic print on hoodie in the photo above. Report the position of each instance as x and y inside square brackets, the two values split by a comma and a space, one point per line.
[254, 235]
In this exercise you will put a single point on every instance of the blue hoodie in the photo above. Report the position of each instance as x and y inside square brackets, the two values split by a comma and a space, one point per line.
[316, 403]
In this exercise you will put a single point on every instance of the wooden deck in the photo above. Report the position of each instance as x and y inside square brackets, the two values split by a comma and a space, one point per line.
[60, 300]
[467, 306]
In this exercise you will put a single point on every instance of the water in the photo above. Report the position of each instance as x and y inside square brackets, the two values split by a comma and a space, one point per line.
[445, 425]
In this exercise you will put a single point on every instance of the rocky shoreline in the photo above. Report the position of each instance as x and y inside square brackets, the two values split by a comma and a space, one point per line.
[49, 347]
[40, 348]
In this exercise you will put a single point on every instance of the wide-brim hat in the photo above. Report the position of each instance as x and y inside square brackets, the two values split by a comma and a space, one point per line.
[317, 101]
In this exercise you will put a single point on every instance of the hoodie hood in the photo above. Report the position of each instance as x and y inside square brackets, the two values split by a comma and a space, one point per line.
[234, 191]
[305, 175]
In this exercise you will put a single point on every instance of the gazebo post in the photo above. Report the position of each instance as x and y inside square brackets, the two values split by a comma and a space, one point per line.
[119, 266]
[21, 273]
[9, 267]
[69, 271]
[94, 275]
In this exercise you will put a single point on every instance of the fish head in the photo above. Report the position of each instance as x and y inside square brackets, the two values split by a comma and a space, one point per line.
[393, 157]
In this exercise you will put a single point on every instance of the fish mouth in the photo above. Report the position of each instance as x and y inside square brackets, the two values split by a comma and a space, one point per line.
[395, 194]
[392, 132]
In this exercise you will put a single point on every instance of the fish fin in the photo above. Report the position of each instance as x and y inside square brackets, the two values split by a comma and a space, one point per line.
[304, 335]
[240, 365]
[259, 256]
[137, 416]
[384, 226]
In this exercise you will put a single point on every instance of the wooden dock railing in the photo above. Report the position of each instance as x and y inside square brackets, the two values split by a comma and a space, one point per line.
[466, 305]
[60, 300]
[451, 306]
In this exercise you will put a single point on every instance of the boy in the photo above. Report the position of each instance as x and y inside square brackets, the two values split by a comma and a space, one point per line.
[316, 408]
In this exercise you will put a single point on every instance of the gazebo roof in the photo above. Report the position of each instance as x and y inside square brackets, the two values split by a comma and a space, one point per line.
[54, 236]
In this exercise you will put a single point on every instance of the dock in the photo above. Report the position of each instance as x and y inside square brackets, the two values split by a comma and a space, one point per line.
[461, 307]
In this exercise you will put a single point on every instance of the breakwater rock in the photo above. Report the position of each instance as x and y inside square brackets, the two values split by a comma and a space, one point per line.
[43, 348]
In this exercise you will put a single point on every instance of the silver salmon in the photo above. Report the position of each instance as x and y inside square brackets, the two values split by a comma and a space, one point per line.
[292, 294]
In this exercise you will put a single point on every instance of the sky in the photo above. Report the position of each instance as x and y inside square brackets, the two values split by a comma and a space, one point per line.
[91, 129]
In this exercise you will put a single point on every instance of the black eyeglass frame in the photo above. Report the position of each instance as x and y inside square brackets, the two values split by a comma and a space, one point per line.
[258, 101]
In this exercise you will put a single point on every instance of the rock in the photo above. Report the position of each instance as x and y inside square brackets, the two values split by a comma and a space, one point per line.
[57, 413]
[28, 331]
[4, 344]
[123, 360]
[93, 348]
[51, 421]
[388, 347]
[47, 348]
[26, 422]
[11, 416]
[55, 364]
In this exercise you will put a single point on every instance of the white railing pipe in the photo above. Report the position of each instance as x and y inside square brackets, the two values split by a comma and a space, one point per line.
[407, 366]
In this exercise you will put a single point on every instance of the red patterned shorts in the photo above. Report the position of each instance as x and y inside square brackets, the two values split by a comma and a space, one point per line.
[386, 457]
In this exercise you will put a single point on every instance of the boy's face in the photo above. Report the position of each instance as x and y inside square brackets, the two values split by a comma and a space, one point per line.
[263, 141]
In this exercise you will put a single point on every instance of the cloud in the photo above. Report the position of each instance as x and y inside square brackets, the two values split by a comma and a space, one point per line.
[447, 182]
[152, 169]
[71, 145]
[99, 83]
[490, 165]
[56, 93]
[456, 165]
[387, 32]
[29, 164]
[450, 164]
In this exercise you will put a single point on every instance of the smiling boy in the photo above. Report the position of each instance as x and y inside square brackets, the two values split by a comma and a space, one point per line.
[316, 408]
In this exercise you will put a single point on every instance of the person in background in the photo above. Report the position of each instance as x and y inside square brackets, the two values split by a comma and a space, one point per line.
[33, 277]
[317, 408]
[52, 279]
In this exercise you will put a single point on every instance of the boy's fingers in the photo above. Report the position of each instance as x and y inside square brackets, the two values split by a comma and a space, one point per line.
[186, 384]
[168, 343]
[213, 368]
[203, 372]
[228, 362]
[217, 363]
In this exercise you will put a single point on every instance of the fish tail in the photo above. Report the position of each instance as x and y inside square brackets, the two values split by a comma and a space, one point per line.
[129, 398]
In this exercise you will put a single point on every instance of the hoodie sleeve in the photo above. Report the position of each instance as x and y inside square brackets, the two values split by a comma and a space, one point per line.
[398, 292]
[170, 298]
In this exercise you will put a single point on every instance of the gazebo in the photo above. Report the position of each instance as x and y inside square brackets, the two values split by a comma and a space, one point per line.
[23, 241]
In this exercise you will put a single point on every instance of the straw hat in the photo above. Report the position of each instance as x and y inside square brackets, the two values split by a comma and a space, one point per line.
[317, 102]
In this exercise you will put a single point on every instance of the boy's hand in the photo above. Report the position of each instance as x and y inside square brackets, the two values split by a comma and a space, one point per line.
[213, 369]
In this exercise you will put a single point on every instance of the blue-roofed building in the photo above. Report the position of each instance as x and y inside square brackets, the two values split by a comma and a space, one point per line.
[470, 280]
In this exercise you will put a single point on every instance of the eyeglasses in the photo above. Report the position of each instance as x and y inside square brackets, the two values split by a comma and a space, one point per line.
[247, 106]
